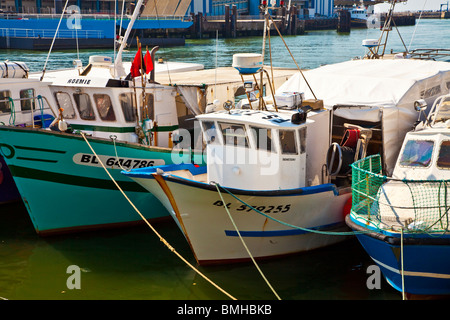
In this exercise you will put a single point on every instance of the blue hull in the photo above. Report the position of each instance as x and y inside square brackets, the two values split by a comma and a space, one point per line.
[65, 189]
[426, 259]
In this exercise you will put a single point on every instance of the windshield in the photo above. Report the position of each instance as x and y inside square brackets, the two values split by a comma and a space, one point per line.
[417, 153]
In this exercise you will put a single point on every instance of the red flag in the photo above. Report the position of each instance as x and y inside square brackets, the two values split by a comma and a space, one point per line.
[148, 62]
[136, 64]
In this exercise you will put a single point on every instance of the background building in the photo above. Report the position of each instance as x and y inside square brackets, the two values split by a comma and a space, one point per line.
[165, 7]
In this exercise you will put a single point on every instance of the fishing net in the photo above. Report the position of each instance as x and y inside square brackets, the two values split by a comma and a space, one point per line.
[413, 205]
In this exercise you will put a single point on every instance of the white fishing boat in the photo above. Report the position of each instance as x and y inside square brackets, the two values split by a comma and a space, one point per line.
[263, 183]
[363, 17]
[402, 219]
[368, 107]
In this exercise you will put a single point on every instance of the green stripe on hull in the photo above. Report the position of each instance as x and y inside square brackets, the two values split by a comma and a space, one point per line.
[23, 172]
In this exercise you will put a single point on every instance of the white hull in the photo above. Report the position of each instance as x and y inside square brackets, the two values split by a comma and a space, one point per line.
[198, 210]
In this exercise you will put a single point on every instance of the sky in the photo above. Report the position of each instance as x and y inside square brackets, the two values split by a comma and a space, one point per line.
[414, 5]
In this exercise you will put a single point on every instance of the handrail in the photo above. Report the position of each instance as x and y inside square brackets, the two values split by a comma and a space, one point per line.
[49, 33]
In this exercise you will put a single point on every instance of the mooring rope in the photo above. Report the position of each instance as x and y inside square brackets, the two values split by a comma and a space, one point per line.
[403, 273]
[167, 244]
[243, 242]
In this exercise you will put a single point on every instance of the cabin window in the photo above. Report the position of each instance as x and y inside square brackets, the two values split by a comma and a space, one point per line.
[263, 138]
[443, 160]
[104, 107]
[209, 129]
[27, 99]
[4, 102]
[128, 109]
[63, 100]
[287, 142]
[417, 153]
[234, 134]
[148, 111]
[84, 106]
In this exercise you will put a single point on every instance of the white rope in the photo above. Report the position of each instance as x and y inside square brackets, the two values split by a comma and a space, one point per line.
[245, 246]
[415, 28]
[53, 41]
[401, 256]
[151, 227]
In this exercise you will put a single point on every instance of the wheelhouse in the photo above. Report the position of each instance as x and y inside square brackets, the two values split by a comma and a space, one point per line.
[255, 149]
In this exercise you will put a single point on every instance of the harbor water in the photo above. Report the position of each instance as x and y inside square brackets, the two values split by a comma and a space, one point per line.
[133, 264]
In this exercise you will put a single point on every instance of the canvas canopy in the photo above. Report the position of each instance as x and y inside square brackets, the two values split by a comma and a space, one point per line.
[377, 91]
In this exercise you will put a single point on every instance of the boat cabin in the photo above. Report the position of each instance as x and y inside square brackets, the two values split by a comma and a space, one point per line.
[425, 154]
[25, 102]
[96, 103]
[264, 150]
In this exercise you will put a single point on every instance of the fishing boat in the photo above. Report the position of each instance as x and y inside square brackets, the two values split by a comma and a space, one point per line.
[21, 103]
[363, 17]
[263, 184]
[102, 115]
[402, 220]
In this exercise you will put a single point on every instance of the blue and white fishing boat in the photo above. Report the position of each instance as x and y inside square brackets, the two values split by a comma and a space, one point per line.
[259, 172]
[402, 221]
[127, 123]
[264, 165]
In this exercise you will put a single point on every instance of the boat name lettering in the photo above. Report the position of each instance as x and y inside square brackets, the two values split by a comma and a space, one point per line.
[115, 162]
[79, 81]
[264, 209]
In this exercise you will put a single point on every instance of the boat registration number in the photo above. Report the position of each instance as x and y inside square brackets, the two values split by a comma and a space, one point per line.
[115, 162]
[265, 209]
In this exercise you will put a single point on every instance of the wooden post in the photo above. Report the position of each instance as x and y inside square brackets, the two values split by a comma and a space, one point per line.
[227, 30]
[344, 21]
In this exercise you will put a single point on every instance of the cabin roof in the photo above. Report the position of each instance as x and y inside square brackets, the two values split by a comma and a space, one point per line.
[259, 118]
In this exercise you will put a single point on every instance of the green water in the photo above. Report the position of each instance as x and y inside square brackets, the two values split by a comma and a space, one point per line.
[133, 264]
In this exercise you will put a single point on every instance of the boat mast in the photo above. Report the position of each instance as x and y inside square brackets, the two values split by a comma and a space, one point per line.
[118, 66]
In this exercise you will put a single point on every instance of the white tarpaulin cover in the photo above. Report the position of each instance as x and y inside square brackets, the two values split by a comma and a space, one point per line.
[376, 90]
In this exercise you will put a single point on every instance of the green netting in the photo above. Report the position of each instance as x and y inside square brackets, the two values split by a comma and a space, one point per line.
[415, 205]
